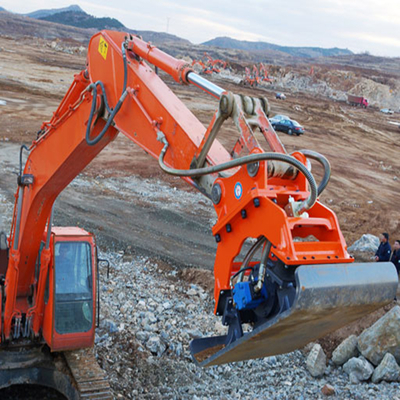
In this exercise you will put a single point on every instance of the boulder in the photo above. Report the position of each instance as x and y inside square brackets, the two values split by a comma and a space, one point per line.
[358, 369]
[382, 337]
[367, 242]
[346, 350]
[316, 361]
[387, 370]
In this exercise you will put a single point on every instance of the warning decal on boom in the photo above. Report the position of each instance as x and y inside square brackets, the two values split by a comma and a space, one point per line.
[103, 47]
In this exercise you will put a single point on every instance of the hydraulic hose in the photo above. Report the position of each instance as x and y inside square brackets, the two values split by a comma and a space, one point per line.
[112, 112]
[245, 265]
[252, 158]
[23, 147]
[325, 164]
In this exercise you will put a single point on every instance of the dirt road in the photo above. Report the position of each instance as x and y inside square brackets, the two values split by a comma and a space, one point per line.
[127, 214]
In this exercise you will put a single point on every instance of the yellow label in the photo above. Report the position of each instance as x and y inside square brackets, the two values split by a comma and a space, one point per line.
[103, 47]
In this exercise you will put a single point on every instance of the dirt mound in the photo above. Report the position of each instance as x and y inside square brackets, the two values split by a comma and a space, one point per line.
[379, 94]
[335, 84]
[200, 277]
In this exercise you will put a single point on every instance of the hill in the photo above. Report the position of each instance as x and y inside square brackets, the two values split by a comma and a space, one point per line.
[45, 13]
[18, 26]
[2, 9]
[160, 38]
[80, 19]
[306, 52]
[15, 25]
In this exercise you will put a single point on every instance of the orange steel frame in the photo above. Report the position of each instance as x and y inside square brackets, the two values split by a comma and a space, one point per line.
[61, 153]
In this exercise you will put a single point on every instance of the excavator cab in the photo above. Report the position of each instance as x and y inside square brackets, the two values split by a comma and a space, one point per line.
[70, 296]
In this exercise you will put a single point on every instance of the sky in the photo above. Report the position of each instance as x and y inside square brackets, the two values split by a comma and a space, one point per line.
[360, 25]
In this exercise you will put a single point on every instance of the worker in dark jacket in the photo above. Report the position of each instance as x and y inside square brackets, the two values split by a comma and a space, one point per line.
[384, 249]
[395, 259]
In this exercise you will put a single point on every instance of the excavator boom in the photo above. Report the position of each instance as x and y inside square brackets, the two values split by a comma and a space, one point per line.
[290, 285]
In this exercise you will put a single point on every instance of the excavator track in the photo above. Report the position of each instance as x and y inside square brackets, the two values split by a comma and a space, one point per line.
[327, 297]
[75, 374]
[90, 379]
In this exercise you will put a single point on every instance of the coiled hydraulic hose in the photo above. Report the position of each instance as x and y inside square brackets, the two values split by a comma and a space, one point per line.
[325, 164]
[252, 158]
[112, 112]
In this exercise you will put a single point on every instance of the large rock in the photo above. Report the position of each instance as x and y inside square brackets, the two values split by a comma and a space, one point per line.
[367, 242]
[382, 337]
[316, 361]
[346, 350]
[387, 370]
[358, 369]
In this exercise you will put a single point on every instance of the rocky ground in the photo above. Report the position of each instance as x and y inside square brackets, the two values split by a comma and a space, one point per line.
[151, 311]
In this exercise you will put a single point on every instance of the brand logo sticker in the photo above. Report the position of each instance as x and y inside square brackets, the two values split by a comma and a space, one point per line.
[238, 190]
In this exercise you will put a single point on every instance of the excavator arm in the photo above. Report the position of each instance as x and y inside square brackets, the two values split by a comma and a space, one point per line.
[297, 276]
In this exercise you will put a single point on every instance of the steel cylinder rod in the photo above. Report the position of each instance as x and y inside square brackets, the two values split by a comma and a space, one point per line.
[205, 85]
[180, 70]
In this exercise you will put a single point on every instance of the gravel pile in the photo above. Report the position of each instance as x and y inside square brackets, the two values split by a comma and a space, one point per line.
[151, 311]
[153, 192]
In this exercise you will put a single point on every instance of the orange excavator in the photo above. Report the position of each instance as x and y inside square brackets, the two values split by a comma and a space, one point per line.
[281, 267]
[264, 73]
[210, 66]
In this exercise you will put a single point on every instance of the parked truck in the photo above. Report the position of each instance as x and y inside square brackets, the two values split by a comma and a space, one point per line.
[357, 100]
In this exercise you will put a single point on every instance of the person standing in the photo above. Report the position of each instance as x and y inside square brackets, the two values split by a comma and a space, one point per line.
[395, 259]
[384, 249]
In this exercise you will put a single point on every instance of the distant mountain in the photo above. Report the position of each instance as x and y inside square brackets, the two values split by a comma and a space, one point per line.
[159, 38]
[16, 26]
[81, 19]
[2, 9]
[45, 13]
[308, 52]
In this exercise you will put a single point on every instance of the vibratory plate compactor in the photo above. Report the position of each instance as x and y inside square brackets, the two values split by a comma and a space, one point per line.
[293, 310]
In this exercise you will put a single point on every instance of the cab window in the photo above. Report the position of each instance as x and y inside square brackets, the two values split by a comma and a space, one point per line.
[73, 287]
